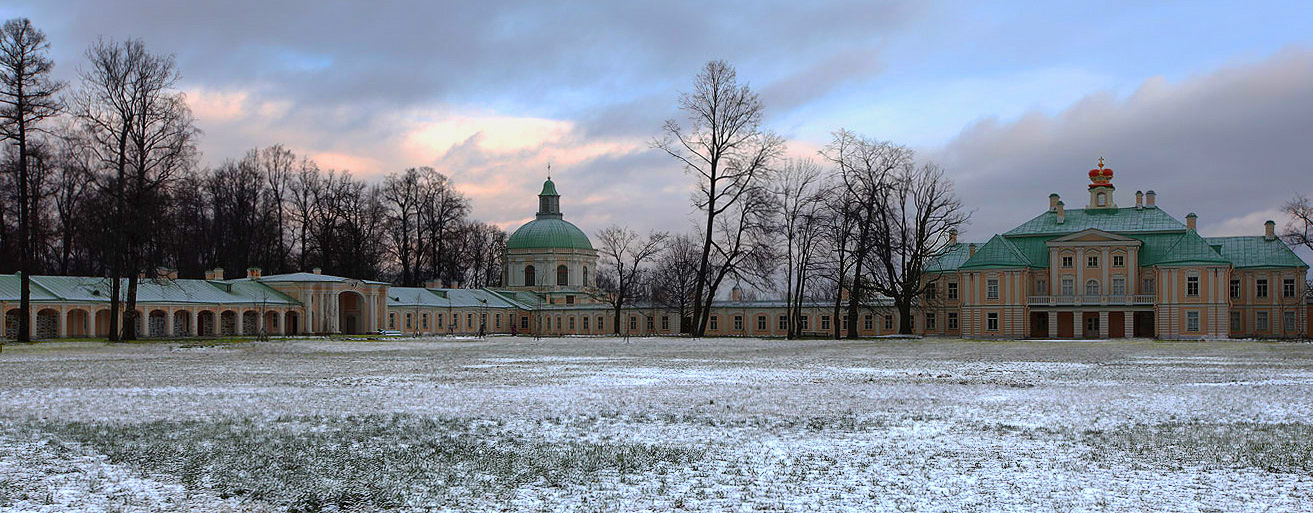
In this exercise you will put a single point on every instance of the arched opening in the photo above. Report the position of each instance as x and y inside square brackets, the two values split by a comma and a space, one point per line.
[351, 312]
[562, 275]
[157, 325]
[585, 276]
[228, 323]
[47, 323]
[181, 323]
[291, 321]
[271, 323]
[529, 278]
[250, 322]
[205, 325]
[102, 323]
[77, 323]
[1092, 288]
[11, 323]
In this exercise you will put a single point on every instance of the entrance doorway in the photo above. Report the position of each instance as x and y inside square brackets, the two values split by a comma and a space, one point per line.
[1091, 325]
[351, 312]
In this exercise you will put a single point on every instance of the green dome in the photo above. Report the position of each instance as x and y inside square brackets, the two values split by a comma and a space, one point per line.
[548, 233]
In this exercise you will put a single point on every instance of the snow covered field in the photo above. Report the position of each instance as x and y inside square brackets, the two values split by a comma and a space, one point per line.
[590, 424]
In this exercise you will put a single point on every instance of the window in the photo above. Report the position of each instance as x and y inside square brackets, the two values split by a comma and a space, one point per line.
[1260, 287]
[868, 322]
[825, 322]
[738, 323]
[784, 323]
[714, 322]
[991, 321]
[1192, 286]
[1092, 288]
[497, 321]
[929, 321]
[1101, 200]
[991, 288]
[440, 324]
[761, 323]
[1290, 322]
[1068, 287]
[601, 323]
[1147, 285]
[524, 322]
[1091, 261]
[1235, 289]
[529, 280]
[1041, 286]
[558, 323]
[570, 323]
[1118, 285]
[569, 300]
[1235, 321]
[1119, 260]
[888, 322]
[1260, 319]
[665, 323]
[952, 290]
[583, 322]
[1288, 288]
[562, 276]
[931, 291]
[585, 276]
[409, 321]
[952, 320]
[469, 320]
[633, 323]
[1066, 262]
[424, 321]
[802, 323]
[1191, 321]
[651, 323]
[392, 321]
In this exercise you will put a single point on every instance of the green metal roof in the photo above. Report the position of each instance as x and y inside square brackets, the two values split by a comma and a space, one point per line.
[953, 258]
[1184, 249]
[401, 297]
[1115, 220]
[996, 254]
[1035, 249]
[1256, 251]
[90, 289]
[549, 188]
[548, 233]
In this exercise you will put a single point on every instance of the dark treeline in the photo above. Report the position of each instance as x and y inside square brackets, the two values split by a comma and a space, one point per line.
[102, 178]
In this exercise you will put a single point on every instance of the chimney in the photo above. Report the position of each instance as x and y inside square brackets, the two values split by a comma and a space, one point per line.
[433, 284]
[317, 270]
[1053, 201]
[736, 294]
[218, 273]
[971, 250]
[253, 273]
[209, 274]
[1139, 199]
[952, 237]
[1062, 213]
[1148, 198]
[1191, 220]
[1270, 230]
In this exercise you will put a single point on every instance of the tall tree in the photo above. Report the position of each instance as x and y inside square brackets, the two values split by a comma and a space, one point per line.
[1299, 231]
[729, 154]
[624, 253]
[801, 210]
[27, 96]
[672, 282]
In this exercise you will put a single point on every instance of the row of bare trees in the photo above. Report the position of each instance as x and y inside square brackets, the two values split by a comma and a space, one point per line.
[102, 179]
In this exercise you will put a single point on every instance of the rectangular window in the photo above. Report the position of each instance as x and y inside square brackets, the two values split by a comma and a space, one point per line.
[952, 290]
[1068, 287]
[583, 322]
[524, 322]
[715, 321]
[1235, 321]
[392, 321]
[1092, 261]
[409, 321]
[440, 324]
[569, 300]
[888, 322]
[802, 323]
[931, 291]
[601, 323]
[784, 323]
[1067, 262]
[991, 289]
[424, 321]
[929, 321]
[1235, 289]
[1288, 288]
[1192, 286]
[469, 320]
[761, 323]
[558, 324]
[1191, 321]
[738, 323]
[633, 323]
[1147, 285]
[571, 323]
[651, 326]
[1260, 288]
[1260, 319]
[1290, 322]
[952, 320]
[1118, 286]
[868, 322]
[991, 321]
[497, 322]
[1119, 260]
[1042, 287]
[665, 323]
[825, 322]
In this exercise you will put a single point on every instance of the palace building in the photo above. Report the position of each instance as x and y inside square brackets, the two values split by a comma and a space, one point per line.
[1103, 271]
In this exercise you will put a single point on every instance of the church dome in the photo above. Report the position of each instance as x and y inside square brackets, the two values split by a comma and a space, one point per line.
[549, 230]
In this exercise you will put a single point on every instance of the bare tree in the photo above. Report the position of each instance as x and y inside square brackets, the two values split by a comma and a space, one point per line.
[801, 209]
[27, 97]
[673, 281]
[729, 153]
[404, 195]
[279, 165]
[1299, 231]
[624, 253]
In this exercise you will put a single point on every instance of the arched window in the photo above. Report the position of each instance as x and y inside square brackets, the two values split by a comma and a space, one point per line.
[562, 276]
[528, 276]
[1102, 200]
[1092, 288]
[585, 276]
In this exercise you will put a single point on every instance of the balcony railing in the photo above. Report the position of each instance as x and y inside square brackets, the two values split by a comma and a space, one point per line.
[1105, 299]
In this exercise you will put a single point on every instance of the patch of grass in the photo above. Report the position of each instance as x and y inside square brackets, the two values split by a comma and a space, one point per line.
[1270, 447]
[359, 462]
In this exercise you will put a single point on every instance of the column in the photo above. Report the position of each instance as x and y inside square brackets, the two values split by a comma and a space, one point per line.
[1053, 324]
[237, 327]
[1130, 324]
[1103, 324]
[32, 327]
[63, 323]
[194, 328]
[168, 323]
[259, 322]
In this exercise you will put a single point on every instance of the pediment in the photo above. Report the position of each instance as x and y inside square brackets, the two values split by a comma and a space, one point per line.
[1094, 236]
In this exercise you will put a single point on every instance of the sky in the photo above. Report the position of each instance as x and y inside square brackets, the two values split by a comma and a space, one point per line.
[1210, 104]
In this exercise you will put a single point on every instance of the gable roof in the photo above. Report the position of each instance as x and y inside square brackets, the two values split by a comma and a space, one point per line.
[1115, 220]
[995, 254]
[954, 256]
[1186, 249]
[1256, 251]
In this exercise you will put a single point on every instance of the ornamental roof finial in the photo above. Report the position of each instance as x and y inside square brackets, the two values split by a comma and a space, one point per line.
[1100, 162]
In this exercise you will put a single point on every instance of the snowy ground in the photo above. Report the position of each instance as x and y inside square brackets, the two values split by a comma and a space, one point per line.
[586, 424]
